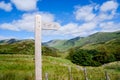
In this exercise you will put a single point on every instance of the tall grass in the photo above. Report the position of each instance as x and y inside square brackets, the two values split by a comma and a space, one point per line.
[16, 67]
[21, 67]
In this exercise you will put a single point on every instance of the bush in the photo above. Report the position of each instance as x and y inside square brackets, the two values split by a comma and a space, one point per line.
[90, 57]
[81, 58]
[103, 57]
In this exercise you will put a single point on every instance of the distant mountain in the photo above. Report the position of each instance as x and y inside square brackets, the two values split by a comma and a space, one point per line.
[81, 41]
[58, 44]
[63, 45]
[111, 46]
[9, 41]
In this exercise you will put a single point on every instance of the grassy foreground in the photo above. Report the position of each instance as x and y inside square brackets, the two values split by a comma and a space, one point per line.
[21, 67]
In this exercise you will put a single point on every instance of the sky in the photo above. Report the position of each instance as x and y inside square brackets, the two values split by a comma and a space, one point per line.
[73, 17]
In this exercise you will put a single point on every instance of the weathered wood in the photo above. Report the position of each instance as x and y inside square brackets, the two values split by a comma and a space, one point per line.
[70, 75]
[50, 26]
[46, 76]
[107, 76]
[38, 55]
[85, 73]
[38, 52]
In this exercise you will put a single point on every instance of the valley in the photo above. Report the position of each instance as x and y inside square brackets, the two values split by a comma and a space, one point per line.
[102, 49]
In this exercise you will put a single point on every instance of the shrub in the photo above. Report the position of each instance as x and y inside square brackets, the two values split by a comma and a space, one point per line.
[90, 57]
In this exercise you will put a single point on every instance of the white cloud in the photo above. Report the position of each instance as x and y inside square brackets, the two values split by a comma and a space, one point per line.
[87, 26]
[25, 5]
[29, 37]
[110, 26]
[104, 16]
[9, 26]
[15, 37]
[101, 19]
[84, 12]
[6, 37]
[75, 29]
[47, 17]
[5, 6]
[108, 6]
[68, 28]
[27, 22]
[106, 11]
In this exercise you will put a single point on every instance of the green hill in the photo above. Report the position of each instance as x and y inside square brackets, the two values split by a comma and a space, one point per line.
[25, 47]
[111, 46]
[58, 44]
[64, 45]
[19, 47]
[96, 54]
[81, 41]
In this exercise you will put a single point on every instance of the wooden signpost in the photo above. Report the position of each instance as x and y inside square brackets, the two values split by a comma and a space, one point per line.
[38, 48]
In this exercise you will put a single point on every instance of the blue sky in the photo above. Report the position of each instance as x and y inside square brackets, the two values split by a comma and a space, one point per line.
[74, 17]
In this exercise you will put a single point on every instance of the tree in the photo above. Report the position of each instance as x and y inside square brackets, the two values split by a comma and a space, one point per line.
[103, 57]
[90, 57]
[81, 57]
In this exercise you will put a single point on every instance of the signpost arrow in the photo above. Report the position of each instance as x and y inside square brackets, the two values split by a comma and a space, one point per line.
[50, 26]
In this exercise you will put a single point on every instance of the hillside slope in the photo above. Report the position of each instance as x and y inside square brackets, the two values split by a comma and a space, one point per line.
[64, 45]
[25, 47]
[81, 41]
[111, 46]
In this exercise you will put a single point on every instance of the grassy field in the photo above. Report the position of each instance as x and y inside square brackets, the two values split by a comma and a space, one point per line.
[21, 67]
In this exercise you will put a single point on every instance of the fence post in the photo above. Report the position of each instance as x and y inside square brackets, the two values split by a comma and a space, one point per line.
[85, 73]
[46, 76]
[107, 76]
[69, 72]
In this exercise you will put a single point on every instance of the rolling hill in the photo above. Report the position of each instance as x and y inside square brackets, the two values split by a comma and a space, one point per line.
[24, 47]
[17, 47]
[64, 45]
[9, 41]
[81, 41]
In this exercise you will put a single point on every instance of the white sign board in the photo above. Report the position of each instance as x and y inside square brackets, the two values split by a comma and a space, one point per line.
[50, 26]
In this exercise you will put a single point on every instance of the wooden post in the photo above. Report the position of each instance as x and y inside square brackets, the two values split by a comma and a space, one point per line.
[85, 74]
[38, 55]
[46, 76]
[70, 75]
[38, 51]
[107, 76]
